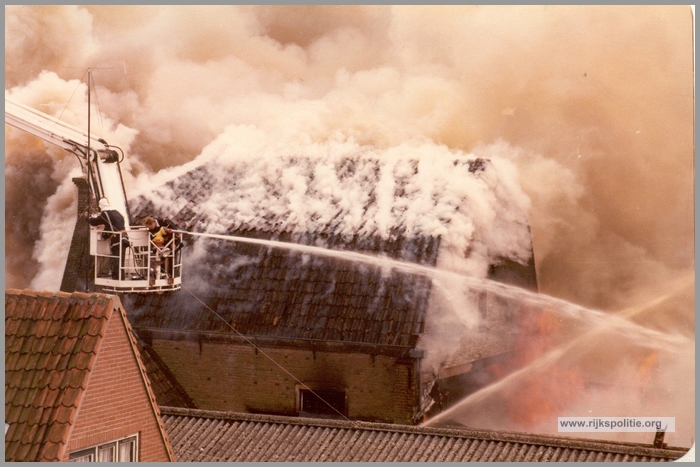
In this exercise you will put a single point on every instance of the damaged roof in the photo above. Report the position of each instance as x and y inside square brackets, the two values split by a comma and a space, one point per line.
[207, 436]
[277, 293]
[407, 208]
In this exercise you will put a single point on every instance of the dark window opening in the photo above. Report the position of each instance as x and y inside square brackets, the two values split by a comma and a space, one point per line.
[322, 402]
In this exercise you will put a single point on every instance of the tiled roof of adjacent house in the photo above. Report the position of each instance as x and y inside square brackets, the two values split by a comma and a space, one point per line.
[205, 436]
[276, 293]
[51, 344]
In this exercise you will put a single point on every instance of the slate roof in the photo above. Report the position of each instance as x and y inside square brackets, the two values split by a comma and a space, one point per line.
[273, 292]
[51, 344]
[206, 436]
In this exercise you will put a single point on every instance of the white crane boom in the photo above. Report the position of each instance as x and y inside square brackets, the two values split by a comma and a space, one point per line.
[140, 267]
[103, 165]
[46, 127]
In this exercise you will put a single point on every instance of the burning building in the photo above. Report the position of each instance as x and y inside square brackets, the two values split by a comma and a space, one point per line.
[298, 322]
[597, 103]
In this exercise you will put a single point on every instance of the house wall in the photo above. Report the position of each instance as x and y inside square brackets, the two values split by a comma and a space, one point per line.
[116, 403]
[237, 378]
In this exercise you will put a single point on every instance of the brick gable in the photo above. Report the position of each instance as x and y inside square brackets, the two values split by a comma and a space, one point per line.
[117, 386]
[63, 353]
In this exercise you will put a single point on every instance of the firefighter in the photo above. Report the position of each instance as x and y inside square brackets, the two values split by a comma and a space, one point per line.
[115, 231]
[167, 244]
[155, 225]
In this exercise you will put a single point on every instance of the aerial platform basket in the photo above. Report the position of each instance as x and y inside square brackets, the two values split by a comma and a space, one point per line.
[143, 266]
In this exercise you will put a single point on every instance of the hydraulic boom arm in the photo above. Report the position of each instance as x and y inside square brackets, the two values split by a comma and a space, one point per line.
[102, 164]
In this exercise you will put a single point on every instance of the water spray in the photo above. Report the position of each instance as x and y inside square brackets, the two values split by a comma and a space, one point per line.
[556, 354]
[483, 284]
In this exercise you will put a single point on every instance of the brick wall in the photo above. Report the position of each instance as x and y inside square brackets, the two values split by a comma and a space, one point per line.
[116, 402]
[232, 377]
[406, 392]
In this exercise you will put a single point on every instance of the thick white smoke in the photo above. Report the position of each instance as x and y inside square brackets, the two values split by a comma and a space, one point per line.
[57, 215]
[421, 189]
[588, 110]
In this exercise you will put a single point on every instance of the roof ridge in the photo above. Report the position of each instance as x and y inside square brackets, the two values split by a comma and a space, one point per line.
[59, 294]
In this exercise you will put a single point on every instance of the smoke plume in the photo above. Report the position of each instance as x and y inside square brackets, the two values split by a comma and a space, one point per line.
[593, 105]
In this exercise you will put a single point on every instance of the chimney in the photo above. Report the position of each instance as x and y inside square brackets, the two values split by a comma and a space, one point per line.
[659, 439]
[78, 262]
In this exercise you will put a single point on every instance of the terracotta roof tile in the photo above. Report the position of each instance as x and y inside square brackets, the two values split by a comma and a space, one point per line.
[43, 358]
[12, 411]
[52, 396]
[85, 360]
[76, 312]
[26, 328]
[61, 310]
[62, 380]
[51, 359]
[37, 344]
[50, 451]
[68, 344]
[47, 361]
[35, 397]
[34, 416]
[23, 450]
[11, 448]
[20, 396]
[12, 345]
[33, 451]
[96, 327]
[74, 328]
[87, 344]
[79, 376]
[48, 413]
[22, 358]
[37, 311]
[62, 363]
[62, 416]
[33, 360]
[50, 309]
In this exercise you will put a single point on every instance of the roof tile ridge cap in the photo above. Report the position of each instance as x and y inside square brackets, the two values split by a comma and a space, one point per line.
[77, 295]
[117, 304]
[84, 295]
[22, 292]
[14, 291]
